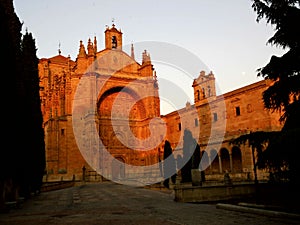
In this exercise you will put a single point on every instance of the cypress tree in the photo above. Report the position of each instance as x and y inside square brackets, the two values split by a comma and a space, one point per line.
[169, 164]
[22, 161]
[189, 145]
[35, 153]
[10, 29]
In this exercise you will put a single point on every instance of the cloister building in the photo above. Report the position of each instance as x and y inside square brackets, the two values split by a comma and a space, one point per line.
[219, 119]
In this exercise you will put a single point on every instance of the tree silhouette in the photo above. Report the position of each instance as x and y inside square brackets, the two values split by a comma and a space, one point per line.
[169, 164]
[22, 160]
[10, 29]
[196, 157]
[34, 120]
[284, 92]
[189, 146]
[284, 71]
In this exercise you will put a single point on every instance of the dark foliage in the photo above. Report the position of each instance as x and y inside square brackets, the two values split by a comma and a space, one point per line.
[33, 123]
[283, 95]
[22, 161]
[258, 141]
[10, 28]
[169, 164]
[284, 71]
[189, 146]
[196, 157]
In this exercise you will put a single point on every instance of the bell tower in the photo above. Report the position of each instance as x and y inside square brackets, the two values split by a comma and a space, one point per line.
[204, 88]
[113, 38]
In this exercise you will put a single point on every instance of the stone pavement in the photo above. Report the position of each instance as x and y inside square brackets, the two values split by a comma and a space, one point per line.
[110, 203]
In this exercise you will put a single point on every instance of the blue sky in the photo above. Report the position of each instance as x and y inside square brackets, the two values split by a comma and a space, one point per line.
[224, 35]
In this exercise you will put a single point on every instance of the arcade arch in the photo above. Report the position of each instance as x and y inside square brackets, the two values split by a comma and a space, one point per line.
[225, 160]
[236, 159]
[214, 161]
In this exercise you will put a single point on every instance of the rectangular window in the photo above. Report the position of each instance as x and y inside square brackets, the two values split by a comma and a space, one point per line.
[179, 126]
[196, 122]
[62, 131]
[215, 117]
[237, 111]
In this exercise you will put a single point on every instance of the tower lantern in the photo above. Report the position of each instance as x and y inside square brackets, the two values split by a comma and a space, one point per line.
[113, 38]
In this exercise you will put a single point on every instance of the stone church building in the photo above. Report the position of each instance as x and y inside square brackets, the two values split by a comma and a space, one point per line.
[104, 108]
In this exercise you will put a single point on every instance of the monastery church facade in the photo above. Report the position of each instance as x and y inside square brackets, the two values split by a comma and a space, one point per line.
[124, 109]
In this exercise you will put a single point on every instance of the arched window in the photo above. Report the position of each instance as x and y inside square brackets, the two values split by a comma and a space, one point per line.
[203, 92]
[114, 42]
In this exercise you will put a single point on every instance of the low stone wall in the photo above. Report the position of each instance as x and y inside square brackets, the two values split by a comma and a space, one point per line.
[61, 177]
[51, 186]
[213, 193]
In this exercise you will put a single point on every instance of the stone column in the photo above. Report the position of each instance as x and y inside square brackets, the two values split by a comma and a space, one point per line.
[83, 173]
[220, 163]
[230, 160]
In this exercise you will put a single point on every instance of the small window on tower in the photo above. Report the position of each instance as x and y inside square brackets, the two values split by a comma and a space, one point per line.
[237, 111]
[196, 122]
[209, 91]
[179, 126]
[215, 117]
[203, 92]
[114, 42]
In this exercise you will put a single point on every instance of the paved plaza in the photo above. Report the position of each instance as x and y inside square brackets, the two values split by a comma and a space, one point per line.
[110, 203]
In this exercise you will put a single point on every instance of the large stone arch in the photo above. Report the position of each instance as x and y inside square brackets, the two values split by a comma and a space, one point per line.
[115, 120]
[130, 110]
[128, 98]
